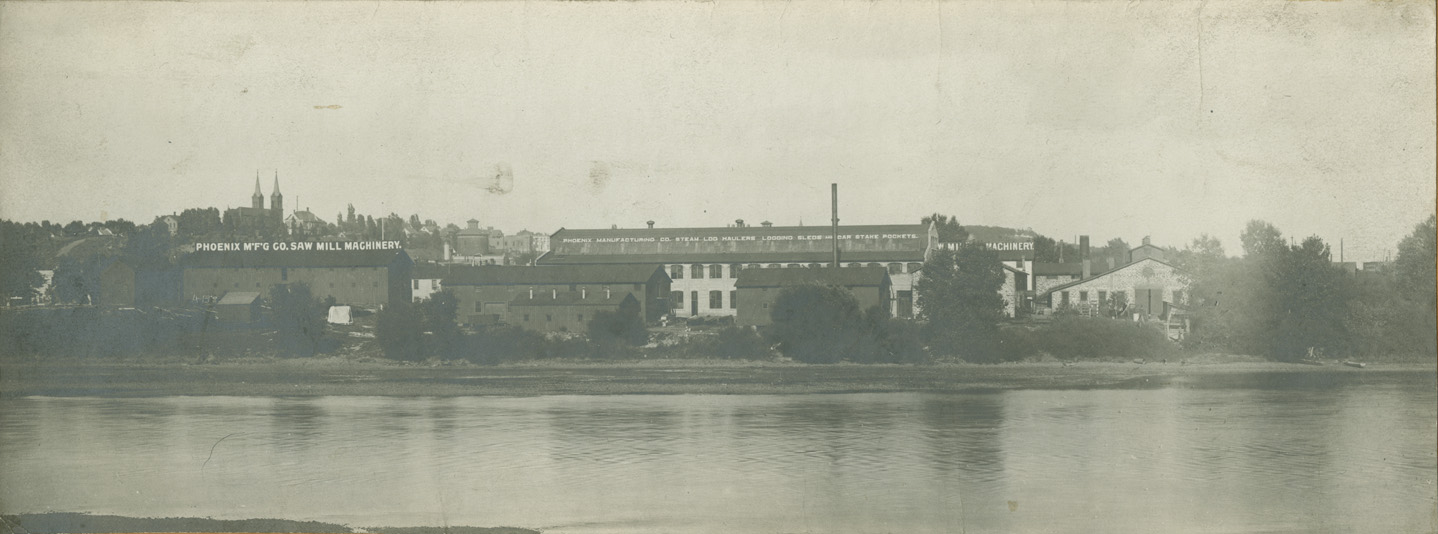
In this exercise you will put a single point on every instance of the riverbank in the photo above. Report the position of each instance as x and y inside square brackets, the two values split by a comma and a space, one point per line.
[71, 523]
[341, 376]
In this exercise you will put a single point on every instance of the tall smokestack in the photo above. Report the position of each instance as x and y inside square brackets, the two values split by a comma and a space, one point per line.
[834, 188]
[1083, 255]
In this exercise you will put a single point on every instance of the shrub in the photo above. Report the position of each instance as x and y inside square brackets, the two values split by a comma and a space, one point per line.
[399, 332]
[817, 324]
[735, 343]
[1099, 338]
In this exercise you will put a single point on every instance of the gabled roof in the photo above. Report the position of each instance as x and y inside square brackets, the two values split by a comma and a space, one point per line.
[304, 216]
[1097, 276]
[485, 275]
[843, 276]
[305, 258]
[572, 298]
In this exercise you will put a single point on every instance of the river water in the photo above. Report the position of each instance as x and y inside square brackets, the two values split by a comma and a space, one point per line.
[1229, 453]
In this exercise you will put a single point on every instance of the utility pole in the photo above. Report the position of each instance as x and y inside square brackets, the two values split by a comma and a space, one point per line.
[834, 189]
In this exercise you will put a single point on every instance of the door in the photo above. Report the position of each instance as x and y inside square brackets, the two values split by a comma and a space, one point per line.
[693, 303]
[1148, 300]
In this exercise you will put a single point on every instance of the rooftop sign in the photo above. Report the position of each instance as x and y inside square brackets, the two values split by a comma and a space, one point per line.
[297, 246]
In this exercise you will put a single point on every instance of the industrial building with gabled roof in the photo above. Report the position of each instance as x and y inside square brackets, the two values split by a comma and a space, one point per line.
[369, 278]
[485, 292]
[757, 289]
[566, 311]
[704, 263]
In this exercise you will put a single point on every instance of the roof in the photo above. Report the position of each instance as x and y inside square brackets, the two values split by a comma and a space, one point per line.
[428, 271]
[244, 298]
[1056, 269]
[843, 276]
[568, 274]
[299, 258]
[1067, 285]
[552, 258]
[304, 216]
[572, 298]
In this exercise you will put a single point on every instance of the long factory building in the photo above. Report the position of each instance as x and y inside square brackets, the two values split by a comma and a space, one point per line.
[704, 263]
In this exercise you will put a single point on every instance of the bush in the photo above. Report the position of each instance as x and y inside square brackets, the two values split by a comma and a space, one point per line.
[818, 324]
[735, 343]
[298, 319]
[1098, 338]
[399, 332]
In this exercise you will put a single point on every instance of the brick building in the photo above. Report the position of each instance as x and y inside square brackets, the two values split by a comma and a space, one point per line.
[704, 263]
[368, 278]
[485, 292]
[757, 289]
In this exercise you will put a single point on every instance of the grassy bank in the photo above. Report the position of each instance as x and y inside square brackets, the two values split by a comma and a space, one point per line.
[55, 523]
[367, 376]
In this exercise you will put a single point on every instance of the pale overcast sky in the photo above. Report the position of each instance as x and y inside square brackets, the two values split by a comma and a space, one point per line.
[1107, 118]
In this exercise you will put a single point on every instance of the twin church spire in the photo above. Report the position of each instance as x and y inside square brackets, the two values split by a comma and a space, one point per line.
[277, 201]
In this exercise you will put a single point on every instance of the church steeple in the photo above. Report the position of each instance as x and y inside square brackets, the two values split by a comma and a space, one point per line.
[277, 201]
[257, 200]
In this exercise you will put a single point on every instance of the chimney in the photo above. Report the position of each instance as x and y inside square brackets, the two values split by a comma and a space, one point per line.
[834, 188]
[766, 224]
[1083, 255]
[738, 223]
[650, 223]
[473, 224]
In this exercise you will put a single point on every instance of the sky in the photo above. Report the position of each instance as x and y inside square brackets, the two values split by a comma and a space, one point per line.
[1103, 118]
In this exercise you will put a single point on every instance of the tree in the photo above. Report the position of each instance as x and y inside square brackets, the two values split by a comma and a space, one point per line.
[1261, 239]
[948, 228]
[611, 329]
[438, 316]
[20, 259]
[399, 329]
[298, 319]
[1114, 254]
[960, 303]
[817, 324]
[1414, 271]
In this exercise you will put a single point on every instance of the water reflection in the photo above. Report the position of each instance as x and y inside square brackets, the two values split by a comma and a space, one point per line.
[1193, 457]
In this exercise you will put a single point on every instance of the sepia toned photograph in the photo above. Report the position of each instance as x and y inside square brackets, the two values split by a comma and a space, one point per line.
[691, 267]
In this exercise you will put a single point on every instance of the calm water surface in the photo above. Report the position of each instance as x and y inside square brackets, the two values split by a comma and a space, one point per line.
[1251, 453]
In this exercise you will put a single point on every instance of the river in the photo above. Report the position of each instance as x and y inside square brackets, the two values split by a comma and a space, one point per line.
[1231, 453]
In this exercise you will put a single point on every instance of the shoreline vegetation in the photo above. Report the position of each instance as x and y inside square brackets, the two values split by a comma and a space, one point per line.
[369, 376]
[82, 523]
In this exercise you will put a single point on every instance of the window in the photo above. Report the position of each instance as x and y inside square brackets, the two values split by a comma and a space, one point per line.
[696, 271]
[774, 266]
[416, 284]
[733, 299]
[875, 265]
[354, 284]
[374, 284]
[257, 284]
[1063, 298]
[813, 266]
[716, 300]
[753, 266]
[477, 307]
[284, 273]
[434, 285]
[548, 317]
[896, 268]
[526, 317]
[792, 266]
[1102, 297]
[676, 299]
[1083, 296]
[1178, 296]
[332, 285]
[676, 272]
[734, 270]
[237, 285]
[579, 317]
[856, 265]
[766, 305]
[716, 271]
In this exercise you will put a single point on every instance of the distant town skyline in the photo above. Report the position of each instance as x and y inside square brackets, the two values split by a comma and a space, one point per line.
[1109, 119]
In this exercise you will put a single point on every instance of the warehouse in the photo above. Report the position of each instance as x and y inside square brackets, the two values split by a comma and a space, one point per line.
[1146, 286]
[369, 278]
[485, 292]
[566, 311]
[757, 289]
[704, 263]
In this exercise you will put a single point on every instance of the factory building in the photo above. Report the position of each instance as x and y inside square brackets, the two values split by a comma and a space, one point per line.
[485, 293]
[368, 278]
[705, 263]
[757, 289]
[566, 311]
[1146, 286]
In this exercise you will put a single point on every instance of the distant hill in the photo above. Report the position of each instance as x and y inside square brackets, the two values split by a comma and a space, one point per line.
[998, 234]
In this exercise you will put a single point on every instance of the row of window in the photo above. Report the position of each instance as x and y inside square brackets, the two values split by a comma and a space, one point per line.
[257, 284]
[676, 272]
[549, 318]
[716, 299]
[433, 284]
[1120, 296]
